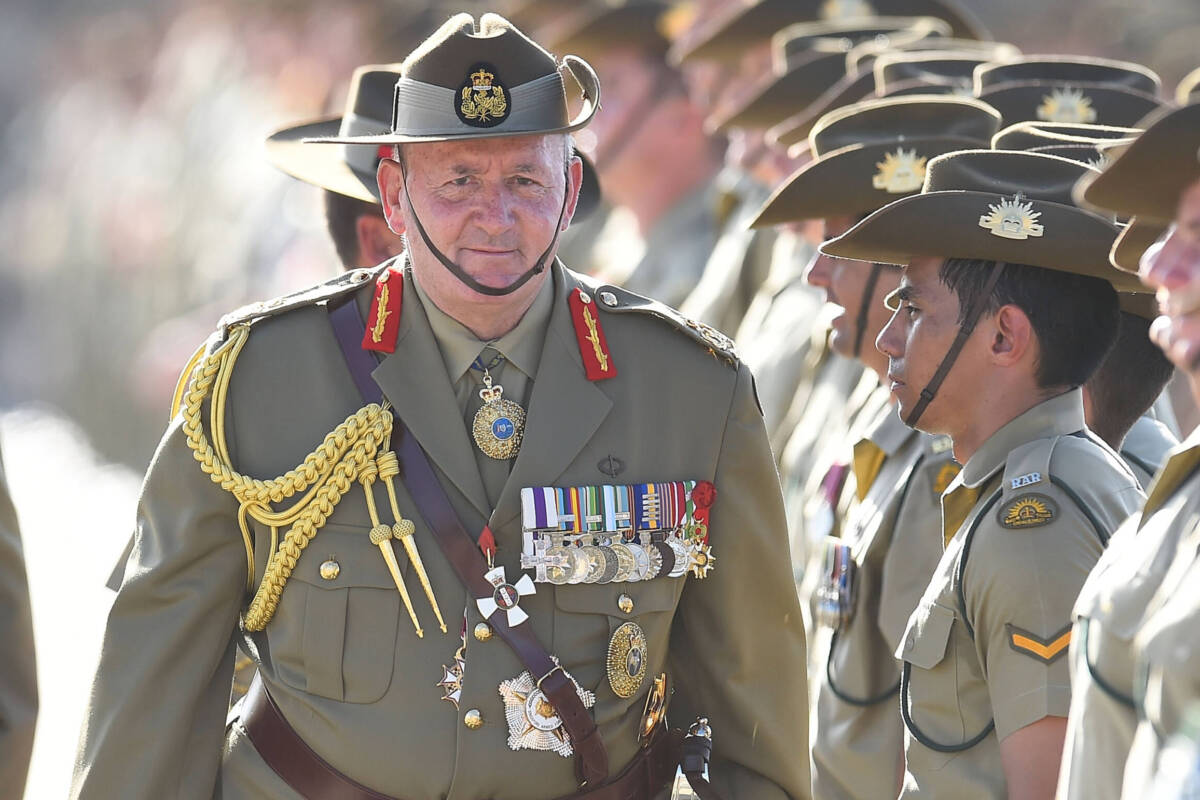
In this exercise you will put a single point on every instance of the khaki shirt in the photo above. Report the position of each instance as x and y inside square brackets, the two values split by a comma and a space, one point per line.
[895, 535]
[1108, 615]
[1146, 447]
[983, 651]
[1167, 645]
[340, 656]
[740, 260]
[18, 672]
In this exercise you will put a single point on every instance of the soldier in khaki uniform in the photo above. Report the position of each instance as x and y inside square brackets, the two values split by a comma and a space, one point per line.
[466, 660]
[1007, 304]
[1135, 605]
[866, 155]
[18, 671]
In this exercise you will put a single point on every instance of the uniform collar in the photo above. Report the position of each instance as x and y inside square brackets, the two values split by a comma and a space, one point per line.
[522, 346]
[889, 433]
[1058, 416]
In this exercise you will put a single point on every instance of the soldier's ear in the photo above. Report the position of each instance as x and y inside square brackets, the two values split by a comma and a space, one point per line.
[574, 184]
[390, 177]
[1013, 338]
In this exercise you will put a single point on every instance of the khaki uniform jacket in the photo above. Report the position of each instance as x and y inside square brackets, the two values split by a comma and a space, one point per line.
[1110, 611]
[1146, 447]
[340, 656]
[984, 649]
[18, 671]
[1167, 645]
[895, 535]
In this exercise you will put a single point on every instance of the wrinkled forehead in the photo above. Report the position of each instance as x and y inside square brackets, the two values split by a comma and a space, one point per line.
[537, 151]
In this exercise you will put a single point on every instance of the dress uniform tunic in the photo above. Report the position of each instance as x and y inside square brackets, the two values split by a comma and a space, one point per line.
[1166, 648]
[895, 534]
[18, 673]
[983, 650]
[1108, 615]
[340, 657]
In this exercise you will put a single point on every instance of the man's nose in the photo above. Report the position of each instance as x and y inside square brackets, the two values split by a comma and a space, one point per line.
[819, 271]
[890, 341]
[494, 212]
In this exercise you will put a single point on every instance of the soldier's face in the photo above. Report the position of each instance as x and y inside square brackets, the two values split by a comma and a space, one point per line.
[1172, 269]
[491, 206]
[916, 339]
[845, 284]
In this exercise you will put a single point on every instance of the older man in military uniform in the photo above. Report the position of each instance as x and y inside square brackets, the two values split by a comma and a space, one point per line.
[874, 572]
[18, 672]
[1006, 306]
[534, 443]
[1136, 606]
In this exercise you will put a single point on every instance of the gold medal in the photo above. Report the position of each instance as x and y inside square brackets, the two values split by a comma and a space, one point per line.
[626, 666]
[499, 424]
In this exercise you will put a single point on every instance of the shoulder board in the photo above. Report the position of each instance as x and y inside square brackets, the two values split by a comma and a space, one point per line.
[617, 300]
[346, 282]
[1028, 466]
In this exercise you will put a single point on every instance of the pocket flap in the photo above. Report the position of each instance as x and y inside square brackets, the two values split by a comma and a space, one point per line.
[359, 563]
[927, 634]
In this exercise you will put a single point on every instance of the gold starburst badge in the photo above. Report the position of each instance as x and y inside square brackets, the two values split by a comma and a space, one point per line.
[1028, 511]
[900, 172]
[533, 722]
[1066, 105]
[1012, 219]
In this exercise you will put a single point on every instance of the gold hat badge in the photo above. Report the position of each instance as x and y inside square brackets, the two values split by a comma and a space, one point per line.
[1012, 219]
[1066, 105]
[483, 100]
[900, 172]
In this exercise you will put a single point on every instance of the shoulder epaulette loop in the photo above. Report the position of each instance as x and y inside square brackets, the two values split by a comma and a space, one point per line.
[253, 312]
[617, 300]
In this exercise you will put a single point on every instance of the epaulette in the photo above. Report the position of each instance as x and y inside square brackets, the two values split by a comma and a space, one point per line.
[253, 312]
[617, 300]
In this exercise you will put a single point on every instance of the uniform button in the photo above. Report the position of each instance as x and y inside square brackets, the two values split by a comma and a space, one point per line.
[330, 569]
[483, 631]
[910, 642]
[585, 297]
[625, 603]
[608, 298]
[473, 719]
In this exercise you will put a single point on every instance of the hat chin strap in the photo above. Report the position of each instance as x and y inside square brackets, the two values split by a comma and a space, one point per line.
[492, 291]
[864, 310]
[964, 332]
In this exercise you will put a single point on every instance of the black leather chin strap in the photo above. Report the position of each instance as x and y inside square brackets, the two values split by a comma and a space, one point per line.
[461, 274]
[864, 310]
[964, 332]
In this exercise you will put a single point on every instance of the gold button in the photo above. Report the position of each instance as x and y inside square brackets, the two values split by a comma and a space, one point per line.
[473, 719]
[625, 603]
[330, 569]
[483, 631]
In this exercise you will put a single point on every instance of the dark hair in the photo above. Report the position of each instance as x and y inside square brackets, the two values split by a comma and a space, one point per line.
[341, 217]
[1073, 316]
[1128, 381]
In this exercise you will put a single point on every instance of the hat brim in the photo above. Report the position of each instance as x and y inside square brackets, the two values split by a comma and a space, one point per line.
[1140, 304]
[834, 185]
[784, 94]
[946, 225]
[1146, 179]
[320, 166]
[850, 88]
[1134, 241]
[579, 69]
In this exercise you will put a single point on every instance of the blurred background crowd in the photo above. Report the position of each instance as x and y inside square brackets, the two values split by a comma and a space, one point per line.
[136, 207]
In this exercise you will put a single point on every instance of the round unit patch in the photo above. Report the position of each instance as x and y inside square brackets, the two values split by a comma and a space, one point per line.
[1027, 511]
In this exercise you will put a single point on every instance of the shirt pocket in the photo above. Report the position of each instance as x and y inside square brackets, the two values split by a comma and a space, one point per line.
[927, 635]
[335, 637]
[587, 615]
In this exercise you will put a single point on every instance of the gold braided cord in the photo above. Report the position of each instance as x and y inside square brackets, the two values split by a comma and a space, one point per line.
[322, 478]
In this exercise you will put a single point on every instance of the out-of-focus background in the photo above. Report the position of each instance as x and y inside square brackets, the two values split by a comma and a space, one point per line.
[136, 207]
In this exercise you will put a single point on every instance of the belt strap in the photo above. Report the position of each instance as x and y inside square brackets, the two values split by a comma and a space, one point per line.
[290, 756]
[312, 777]
[591, 760]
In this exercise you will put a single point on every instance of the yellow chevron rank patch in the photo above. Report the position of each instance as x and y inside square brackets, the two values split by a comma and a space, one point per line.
[1028, 511]
[1045, 650]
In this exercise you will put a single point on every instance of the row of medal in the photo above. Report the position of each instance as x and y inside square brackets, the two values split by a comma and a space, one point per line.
[612, 557]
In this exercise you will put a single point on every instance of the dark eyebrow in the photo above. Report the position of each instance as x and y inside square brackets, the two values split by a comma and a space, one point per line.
[907, 293]
[527, 168]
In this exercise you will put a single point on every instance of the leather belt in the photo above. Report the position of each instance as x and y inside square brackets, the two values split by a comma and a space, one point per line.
[310, 776]
[459, 547]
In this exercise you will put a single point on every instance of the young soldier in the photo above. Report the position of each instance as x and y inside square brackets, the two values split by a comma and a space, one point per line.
[866, 155]
[1136, 604]
[1006, 307]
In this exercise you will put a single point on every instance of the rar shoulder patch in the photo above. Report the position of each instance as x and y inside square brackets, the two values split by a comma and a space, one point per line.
[1027, 511]
[1030, 644]
[618, 300]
